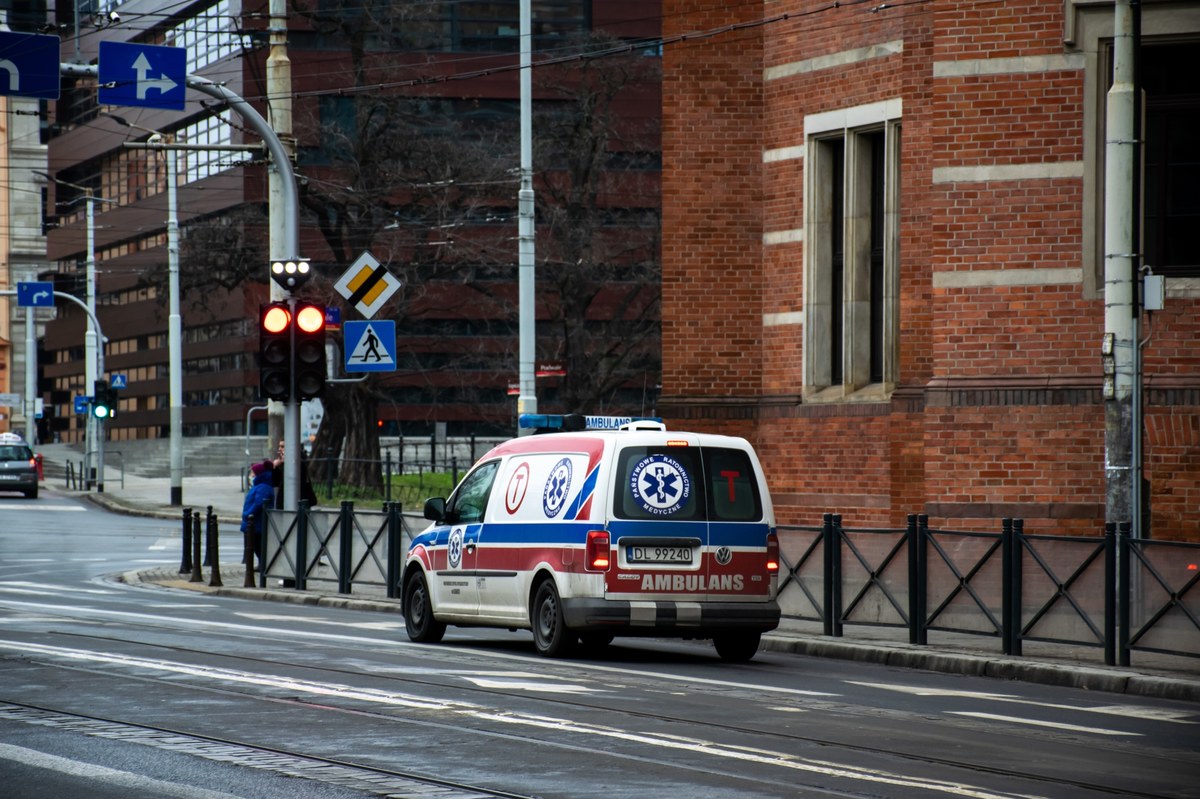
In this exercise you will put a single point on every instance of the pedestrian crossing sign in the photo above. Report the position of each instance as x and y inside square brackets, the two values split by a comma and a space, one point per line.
[370, 346]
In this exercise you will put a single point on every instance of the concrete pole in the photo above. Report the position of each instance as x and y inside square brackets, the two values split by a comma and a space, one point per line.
[94, 430]
[31, 364]
[527, 399]
[283, 419]
[1120, 264]
[174, 333]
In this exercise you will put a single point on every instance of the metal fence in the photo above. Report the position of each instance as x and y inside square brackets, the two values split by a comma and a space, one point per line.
[1113, 592]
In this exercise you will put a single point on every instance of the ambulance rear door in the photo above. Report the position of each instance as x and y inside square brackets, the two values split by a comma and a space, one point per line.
[658, 527]
[739, 522]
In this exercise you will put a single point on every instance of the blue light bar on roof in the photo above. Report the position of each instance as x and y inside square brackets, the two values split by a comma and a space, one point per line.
[553, 421]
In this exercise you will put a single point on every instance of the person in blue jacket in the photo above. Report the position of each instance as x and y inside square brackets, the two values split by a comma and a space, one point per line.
[260, 497]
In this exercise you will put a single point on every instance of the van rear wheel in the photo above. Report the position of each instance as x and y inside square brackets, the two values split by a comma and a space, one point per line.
[550, 633]
[737, 647]
[418, 612]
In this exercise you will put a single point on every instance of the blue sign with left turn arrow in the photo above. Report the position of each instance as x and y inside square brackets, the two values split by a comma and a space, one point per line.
[35, 294]
[151, 76]
[29, 65]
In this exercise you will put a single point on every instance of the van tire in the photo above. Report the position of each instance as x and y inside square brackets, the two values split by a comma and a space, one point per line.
[419, 622]
[550, 633]
[737, 647]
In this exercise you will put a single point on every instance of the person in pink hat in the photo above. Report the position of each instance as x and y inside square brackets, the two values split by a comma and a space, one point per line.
[260, 497]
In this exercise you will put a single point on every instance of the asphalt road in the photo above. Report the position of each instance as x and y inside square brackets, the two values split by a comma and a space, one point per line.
[108, 689]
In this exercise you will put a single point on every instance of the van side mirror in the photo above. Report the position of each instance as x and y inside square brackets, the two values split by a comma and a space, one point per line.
[435, 509]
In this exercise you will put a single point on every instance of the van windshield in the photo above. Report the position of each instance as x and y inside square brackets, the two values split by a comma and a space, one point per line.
[686, 484]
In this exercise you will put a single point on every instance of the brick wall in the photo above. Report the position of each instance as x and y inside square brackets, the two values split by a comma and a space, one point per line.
[997, 410]
[712, 203]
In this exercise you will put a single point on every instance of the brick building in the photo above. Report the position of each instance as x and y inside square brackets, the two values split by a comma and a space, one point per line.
[883, 254]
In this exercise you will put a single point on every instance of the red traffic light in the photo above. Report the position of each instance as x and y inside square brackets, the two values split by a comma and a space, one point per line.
[275, 319]
[310, 318]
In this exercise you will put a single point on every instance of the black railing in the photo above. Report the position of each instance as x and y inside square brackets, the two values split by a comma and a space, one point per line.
[1112, 591]
[1009, 585]
[346, 547]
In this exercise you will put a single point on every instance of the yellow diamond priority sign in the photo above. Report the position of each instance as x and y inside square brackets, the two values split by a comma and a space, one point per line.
[367, 285]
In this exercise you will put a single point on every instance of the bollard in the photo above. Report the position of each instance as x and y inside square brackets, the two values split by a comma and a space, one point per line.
[185, 565]
[248, 559]
[208, 520]
[214, 579]
[197, 577]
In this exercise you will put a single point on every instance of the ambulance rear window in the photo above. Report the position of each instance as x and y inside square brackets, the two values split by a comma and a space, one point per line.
[686, 484]
[733, 491]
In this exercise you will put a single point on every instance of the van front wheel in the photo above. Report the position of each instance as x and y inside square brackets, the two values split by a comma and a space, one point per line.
[737, 647]
[418, 612]
[550, 633]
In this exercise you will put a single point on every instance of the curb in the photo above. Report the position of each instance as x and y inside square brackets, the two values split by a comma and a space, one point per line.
[1089, 678]
[117, 506]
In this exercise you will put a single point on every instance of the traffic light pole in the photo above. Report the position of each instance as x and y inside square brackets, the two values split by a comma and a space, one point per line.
[291, 424]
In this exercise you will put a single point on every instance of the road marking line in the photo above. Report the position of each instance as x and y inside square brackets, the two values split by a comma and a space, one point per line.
[244, 629]
[547, 723]
[540, 685]
[365, 625]
[1037, 723]
[54, 588]
[1125, 711]
[122, 779]
[67, 508]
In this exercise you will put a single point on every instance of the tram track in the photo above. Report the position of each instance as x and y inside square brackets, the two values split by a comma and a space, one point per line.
[304, 765]
[500, 698]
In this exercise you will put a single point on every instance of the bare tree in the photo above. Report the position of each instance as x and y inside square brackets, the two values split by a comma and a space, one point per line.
[599, 224]
[427, 184]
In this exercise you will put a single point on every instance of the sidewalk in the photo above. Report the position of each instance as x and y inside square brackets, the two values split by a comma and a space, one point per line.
[1154, 675]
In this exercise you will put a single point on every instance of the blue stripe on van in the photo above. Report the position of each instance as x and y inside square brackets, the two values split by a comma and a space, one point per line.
[732, 534]
[738, 534]
[585, 493]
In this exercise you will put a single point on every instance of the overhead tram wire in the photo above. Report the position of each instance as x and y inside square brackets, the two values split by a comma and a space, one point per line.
[546, 58]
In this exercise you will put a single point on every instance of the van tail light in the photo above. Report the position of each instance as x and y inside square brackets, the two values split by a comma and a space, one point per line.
[772, 552]
[596, 552]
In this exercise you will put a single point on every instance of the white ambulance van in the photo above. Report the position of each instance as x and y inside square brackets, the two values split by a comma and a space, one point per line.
[588, 534]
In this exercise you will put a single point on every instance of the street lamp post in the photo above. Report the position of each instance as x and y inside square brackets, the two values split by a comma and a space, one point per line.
[174, 319]
[93, 356]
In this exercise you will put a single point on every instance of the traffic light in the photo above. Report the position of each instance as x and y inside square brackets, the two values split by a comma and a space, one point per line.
[291, 273]
[275, 351]
[104, 400]
[310, 351]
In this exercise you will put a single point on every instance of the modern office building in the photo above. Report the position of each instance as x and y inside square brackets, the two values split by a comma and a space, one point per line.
[456, 316]
[885, 257]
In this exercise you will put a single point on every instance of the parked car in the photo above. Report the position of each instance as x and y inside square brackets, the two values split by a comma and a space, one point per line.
[18, 468]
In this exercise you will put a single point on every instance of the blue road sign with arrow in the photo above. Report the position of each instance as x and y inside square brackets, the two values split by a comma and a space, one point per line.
[35, 294]
[29, 65]
[151, 76]
[370, 346]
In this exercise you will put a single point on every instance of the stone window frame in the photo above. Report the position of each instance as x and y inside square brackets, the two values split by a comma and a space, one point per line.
[1088, 29]
[850, 125]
